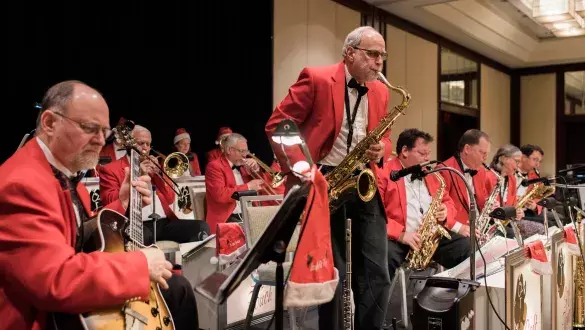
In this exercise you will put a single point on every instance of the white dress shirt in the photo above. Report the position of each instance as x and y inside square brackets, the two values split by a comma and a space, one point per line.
[119, 150]
[521, 190]
[239, 181]
[59, 166]
[418, 199]
[360, 125]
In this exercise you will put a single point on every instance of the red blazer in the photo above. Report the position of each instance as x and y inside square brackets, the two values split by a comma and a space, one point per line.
[213, 154]
[195, 168]
[316, 103]
[481, 183]
[112, 175]
[40, 270]
[511, 198]
[220, 184]
[394, 198]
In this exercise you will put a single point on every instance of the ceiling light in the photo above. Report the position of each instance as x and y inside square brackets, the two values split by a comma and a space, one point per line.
[572, 32]
[552, 11]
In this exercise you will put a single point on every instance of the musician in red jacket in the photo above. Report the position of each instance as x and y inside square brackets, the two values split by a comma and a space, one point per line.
[182, 142]
[335, 107]
[226, 175]
[168, 226]
[43, 207]
[505, 162]
[528, 170]
[407, 202]
[472, 151]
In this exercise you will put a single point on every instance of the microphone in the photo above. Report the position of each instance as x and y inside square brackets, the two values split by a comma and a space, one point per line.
[395, 175]
[527, 183]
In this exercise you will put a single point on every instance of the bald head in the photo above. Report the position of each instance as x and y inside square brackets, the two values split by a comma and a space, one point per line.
[59, 97]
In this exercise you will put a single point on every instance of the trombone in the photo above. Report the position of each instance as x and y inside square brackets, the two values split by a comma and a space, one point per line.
[276, 177]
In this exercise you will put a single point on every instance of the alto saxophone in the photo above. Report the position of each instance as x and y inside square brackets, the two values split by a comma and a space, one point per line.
[341, 179]
[430, 232]
[487, 230]
[537, 192]
[579, 278]
[347, 308]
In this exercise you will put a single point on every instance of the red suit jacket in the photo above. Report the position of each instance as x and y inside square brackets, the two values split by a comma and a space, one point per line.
[213, 154]
[40, 270]
[112, 175]
[195, 168]
[316, 103]
[108, 151]
[482, 185]
[220, 184]
[511, 198]
[394, 198]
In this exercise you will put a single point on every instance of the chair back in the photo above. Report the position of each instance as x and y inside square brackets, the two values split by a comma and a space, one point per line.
[256, 219]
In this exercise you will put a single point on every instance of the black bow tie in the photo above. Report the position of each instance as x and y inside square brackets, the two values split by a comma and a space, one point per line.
[470, 171]
[68, 182]
[362, 90]
[236, 167]
[414, 177]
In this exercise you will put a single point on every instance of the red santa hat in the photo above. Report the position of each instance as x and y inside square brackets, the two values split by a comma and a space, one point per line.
[230, 243]
[180, 134]
[223, 132]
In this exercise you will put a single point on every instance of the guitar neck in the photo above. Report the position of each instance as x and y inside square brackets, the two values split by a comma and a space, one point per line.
[135, 205]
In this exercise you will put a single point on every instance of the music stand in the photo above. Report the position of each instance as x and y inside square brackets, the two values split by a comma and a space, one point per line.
[271, 246]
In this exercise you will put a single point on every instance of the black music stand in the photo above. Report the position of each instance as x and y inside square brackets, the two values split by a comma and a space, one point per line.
[271, 246]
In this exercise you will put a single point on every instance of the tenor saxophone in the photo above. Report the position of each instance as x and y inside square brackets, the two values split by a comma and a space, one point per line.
[341, 179]
[347, 308]
[430, 232]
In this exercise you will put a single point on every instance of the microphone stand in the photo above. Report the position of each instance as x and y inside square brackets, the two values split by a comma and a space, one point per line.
[472, 216]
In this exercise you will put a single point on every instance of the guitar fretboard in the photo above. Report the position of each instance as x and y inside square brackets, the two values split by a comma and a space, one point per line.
[135, 204]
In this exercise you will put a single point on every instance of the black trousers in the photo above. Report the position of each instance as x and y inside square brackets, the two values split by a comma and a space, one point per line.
[180, 231]
[180, 300]
[449, 253]
[370, 280]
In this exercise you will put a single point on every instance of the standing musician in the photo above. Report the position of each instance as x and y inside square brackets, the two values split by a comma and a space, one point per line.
[224, 176]
[168, 227]
[472, 152]
[407, 201]
[182, 142]
[335, 107]
[43, 208]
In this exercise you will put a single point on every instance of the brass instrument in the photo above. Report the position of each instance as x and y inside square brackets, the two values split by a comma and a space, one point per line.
[579, 279]
[277, 177]
[487, 231]
[430, 232]
[341, 178]
[347, 308]
[176, 164]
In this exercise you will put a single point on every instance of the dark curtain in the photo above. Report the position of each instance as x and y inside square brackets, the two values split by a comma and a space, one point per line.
[164, 64]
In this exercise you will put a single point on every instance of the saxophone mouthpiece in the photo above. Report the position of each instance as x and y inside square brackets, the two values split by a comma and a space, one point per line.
[383, 79]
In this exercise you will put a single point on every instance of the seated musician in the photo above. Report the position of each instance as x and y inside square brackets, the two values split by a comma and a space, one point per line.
[527, 170]
[472, 152]
[168, 227]
[218, 151]
[505, 163]
[182, 142]
[407, 201]
[226, 175]
[43, 268]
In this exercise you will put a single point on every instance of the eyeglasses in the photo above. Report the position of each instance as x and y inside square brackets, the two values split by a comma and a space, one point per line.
[87, 127]
[244, 151]
[374, 53]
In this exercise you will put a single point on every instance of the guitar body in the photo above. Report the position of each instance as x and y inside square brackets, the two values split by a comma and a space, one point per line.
[109, 232]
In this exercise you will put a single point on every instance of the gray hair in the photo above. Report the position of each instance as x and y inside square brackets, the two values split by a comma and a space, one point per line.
[507, 150]
[232, 139]
[138, 128]
[354, 38]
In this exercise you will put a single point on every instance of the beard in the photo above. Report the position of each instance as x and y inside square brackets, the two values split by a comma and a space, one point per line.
[85, 160]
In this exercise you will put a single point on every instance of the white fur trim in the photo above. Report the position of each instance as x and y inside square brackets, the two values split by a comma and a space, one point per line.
[225, 258]
[310, 294]
[221, 137]
[181, 136]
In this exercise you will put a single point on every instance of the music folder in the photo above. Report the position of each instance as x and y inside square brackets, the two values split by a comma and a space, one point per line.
[220, 285]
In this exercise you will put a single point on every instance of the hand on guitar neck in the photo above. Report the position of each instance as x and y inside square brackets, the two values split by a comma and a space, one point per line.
[141, 185]
[159, 268]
